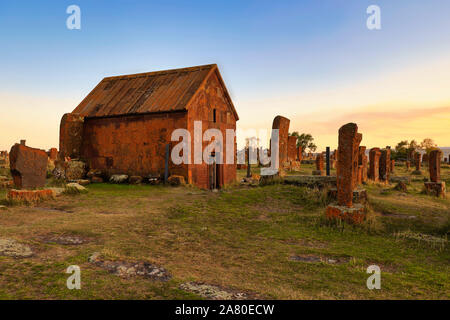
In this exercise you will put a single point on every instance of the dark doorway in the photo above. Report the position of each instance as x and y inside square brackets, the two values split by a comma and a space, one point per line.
[215, 176]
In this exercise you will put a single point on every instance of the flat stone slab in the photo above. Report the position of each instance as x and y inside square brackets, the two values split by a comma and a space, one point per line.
[12, 248]
[65, 239]
[215, 292]
[404, 179]
[435, 188]
[309, 258]
[127, 269]
[30, 196]
[310, 181]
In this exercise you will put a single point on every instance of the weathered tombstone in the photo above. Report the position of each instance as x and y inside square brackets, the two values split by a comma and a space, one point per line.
[347, 170]
[282, 124]
[299, 154]
[328, 161]
[71, 136]
[418, 163]
[53, 154]
[249, 167]
[319, 165]
[435, 186]
[292, 148]
[28, 166]
[374, 164]
[385, 165]
[362, 162]
[425, 159]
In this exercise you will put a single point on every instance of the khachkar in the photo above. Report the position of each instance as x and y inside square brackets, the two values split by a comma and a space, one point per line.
[385, 165]
[347, 174]
[435, 186]
[418, 163]
[374, 164]
[362, 165]
[282, 124]
[319, 165]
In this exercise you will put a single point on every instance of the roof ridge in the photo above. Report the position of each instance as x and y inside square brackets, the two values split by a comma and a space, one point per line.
[177, 70]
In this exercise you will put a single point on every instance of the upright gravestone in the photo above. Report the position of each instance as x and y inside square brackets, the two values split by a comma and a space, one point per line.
[385, 165]
[28, 167]
[282, 124]
[374, 164]
[435, 186]
[328, 160]
[362, 165]
[347, 170]
[319, 165]
[418, 163]
[249, 166]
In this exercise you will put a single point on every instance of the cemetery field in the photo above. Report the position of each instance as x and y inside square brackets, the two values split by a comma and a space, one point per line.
[265, 242]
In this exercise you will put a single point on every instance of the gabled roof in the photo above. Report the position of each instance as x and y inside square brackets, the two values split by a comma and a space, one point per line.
[160, 91]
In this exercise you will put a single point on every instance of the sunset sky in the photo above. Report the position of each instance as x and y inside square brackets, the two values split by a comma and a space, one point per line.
[314, 62]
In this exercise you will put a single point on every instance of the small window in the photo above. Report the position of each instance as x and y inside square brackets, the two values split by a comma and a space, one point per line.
[214, 116]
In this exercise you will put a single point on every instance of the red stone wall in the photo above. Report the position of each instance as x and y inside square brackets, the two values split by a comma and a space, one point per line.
[211, 97]
[132, 145]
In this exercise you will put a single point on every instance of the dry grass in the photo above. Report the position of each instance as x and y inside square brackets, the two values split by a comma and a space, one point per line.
[240, 238]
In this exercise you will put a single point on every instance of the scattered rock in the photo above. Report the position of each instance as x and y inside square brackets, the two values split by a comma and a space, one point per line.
[306, 258]
[131, 269]
[401, 186]
[94, 173]
[214, 292]
[3, 208]
[7, 184]
[75, 170]
[404, 179]
[135, 180]
[75, 188]
[57, 191]
[175, 180]
[97, 180]
[93, 257]
[118, 178]
[82, 182]
[12, 248]
[154, 180]
[65, 239]
[309, 258]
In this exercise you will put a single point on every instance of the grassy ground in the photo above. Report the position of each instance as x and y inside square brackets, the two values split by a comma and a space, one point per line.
[239, 238]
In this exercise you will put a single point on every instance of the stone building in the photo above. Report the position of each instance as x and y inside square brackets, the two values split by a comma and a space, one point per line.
[124, 125]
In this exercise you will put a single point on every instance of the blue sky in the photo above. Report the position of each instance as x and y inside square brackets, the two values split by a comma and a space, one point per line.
[271, 54]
